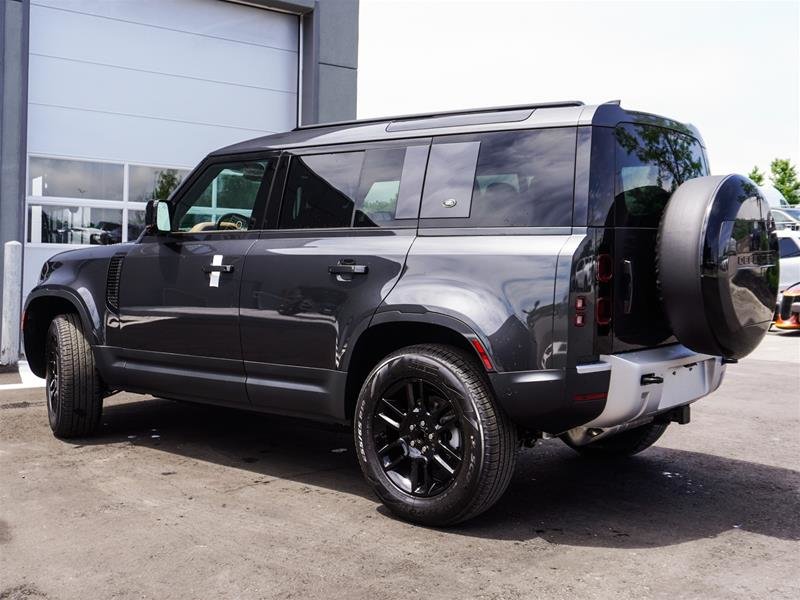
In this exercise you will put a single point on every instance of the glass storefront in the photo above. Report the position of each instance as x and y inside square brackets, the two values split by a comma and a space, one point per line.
[73, 201]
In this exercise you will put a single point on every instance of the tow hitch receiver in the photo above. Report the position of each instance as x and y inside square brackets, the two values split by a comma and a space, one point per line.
[680, 415]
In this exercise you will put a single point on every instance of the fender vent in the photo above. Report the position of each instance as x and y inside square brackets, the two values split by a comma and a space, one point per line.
[112, 281]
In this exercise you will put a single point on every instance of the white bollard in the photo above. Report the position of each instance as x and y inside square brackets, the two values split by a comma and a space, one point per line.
[12, 296]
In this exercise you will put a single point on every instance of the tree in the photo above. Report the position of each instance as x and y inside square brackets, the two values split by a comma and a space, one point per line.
[167, 181]
[784, 178]
[756, 176]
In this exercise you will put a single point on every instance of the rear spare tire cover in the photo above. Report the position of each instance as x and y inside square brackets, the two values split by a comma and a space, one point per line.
[718, 265]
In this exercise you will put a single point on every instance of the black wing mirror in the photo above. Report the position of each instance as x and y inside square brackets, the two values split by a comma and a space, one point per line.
[156, 216]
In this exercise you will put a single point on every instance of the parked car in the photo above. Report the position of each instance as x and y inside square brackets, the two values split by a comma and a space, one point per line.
[773, 197]
[789, 247]
[786, 218]
[788, 312]
[454, 285]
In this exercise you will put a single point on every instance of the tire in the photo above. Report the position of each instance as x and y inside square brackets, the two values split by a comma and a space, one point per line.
[717, 265]
[73, 387]
[627, 443]
[465, 468]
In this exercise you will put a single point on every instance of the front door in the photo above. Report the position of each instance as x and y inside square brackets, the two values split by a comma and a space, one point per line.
[313, 282]
[178, 328]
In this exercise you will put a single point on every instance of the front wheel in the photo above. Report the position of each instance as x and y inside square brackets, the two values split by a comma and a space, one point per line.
[627, 443]
[431, 441]
[74, 389]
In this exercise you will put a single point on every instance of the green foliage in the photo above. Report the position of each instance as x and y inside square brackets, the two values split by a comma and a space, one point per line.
[756, 176]
[168, 180]
[784, 178]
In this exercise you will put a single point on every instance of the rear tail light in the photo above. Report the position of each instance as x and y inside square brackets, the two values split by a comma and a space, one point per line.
[580, 311]
[603, 310]
[605, 268]
[603, 306]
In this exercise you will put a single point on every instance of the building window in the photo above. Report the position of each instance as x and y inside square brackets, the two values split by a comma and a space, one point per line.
[59, 178]
[153, 183]
[72, 201]
[74, 225]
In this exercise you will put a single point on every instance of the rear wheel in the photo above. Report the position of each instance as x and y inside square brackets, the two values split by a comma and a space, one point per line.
[74, 389]
[430, 439]
[627, 443]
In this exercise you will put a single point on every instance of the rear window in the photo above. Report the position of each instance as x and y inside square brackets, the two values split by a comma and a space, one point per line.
[651, 163]
[502, 179]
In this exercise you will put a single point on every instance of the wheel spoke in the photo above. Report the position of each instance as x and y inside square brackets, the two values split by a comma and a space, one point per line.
[393, 462]
[445, 419]
[394, 409]
[439, 460]
[448, 450]
[389, 421]
[419, 475]
[410, 396]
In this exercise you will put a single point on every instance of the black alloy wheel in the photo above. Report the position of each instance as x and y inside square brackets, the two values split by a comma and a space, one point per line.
[431, 441]
[419, 437]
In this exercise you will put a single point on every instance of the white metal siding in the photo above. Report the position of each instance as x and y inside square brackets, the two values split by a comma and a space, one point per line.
[158, 82]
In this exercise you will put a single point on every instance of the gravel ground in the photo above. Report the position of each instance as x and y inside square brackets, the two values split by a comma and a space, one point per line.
[180, 501]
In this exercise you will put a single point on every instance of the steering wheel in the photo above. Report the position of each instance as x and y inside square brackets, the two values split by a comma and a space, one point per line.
[233, 220]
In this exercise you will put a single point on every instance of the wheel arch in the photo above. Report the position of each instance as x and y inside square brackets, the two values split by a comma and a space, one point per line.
[390, 331]
[41, 308]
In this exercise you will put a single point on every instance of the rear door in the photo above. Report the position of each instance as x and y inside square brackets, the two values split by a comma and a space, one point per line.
[651, 162]
[178, 325]
[311, 283]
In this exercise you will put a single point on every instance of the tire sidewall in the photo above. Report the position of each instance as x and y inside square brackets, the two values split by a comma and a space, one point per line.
[456, 497]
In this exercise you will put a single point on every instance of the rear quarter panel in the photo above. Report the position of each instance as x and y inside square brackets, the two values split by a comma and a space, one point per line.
[501, 286]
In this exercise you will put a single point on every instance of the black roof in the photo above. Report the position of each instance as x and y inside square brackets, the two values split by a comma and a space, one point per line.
[527, 116]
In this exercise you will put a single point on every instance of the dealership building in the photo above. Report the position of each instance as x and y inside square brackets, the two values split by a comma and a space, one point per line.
[107, 104]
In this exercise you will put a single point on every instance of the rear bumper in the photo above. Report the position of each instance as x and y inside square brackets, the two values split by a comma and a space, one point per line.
[648, 382]
[608, 395]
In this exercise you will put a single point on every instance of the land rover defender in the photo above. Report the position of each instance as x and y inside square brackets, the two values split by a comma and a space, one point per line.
[453, 285]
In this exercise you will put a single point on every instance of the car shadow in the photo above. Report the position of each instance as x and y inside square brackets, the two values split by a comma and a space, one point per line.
[659, 498]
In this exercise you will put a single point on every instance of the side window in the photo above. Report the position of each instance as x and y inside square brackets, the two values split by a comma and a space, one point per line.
[223, 199]
[503, 179]
[321, 190]
[789, 248]
[391, 183]
[373, 188]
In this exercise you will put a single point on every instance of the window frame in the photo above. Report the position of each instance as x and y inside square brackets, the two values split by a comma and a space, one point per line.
[276, 200]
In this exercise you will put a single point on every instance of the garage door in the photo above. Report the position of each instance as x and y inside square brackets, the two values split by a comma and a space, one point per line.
[126, 96]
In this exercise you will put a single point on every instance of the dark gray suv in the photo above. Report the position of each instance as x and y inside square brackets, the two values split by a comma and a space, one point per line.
[454, 285]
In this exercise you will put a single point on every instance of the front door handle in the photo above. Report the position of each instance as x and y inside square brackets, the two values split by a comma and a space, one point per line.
[348, 269]
[217, 268]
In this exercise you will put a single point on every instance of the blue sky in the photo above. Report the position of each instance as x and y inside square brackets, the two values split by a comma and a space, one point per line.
[730, 68]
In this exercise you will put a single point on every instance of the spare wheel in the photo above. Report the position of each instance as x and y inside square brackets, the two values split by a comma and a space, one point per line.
[717, 261]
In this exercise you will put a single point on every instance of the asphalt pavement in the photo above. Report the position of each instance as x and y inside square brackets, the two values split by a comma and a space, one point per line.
[172, 500]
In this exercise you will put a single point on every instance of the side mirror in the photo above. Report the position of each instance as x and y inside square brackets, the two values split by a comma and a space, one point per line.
[156, 216]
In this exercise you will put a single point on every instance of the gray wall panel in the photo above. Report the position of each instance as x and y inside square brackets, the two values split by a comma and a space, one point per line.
[337, 99]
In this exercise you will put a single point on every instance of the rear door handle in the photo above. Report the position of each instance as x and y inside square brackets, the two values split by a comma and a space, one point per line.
[627, 271]
[348, 269]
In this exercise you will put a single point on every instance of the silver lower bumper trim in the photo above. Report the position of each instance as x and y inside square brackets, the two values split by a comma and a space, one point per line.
[681, 375]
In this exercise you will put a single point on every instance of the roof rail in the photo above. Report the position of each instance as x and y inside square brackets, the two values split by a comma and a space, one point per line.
[467, 111]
